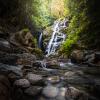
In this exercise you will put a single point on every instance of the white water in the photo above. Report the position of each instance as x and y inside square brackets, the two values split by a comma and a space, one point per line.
[40, 40]
[68, 63]
[57, 37]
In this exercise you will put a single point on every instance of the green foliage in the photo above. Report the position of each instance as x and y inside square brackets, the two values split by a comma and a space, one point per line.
[41, 13]
[44, 12]
[34, 40]
[38, 52]
[78, 24]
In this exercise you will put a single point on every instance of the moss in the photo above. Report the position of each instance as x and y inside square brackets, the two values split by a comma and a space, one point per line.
[38, 52]
[34, 41]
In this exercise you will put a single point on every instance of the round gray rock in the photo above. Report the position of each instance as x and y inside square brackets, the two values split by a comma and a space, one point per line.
[33, 78]
[50, 91]
[24, 83]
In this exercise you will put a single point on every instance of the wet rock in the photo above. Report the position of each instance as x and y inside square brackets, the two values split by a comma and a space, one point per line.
[97, 82]
[24, 83]
[73, 93]
[53, 79]
[4, 45]
[33, 90]
[89, 58]
[34, 78]
[26, 59]
[17, 59]
[79, 80]
[11, 69]
[97, 55]
[8, 58]
[77, 56]
[52, 64]
[61, 94]
[4, 88]
[37, 64]
[73, 73]
[4, 35]
[50, 91]
[12, 77]
[93, 65]
[69, 74]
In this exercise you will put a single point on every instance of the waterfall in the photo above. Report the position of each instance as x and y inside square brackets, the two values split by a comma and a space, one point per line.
[57, 37]
[40, 40]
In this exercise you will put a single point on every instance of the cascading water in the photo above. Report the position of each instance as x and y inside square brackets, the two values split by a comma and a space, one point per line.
[40, 40]
[56, 40]
[57, 37]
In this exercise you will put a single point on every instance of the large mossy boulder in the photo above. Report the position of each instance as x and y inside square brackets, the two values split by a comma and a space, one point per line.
[77, 56]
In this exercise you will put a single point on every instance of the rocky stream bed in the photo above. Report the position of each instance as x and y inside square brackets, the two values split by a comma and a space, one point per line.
[24, 76]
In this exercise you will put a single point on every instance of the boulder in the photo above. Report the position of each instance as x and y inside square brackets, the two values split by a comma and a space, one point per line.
[22, 38]
[9, 59]
[4, 45]
[73, 93]
[77, 56]
[26, 59]
[33, 90]
[34, 78]
[17, 59]
[23, 83]
[61, 94]
[11, 69]
[89, 58]
[79, 80]
[53, 64]
[50, 91]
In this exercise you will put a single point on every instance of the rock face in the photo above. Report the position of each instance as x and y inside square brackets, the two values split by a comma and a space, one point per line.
[4, 45]
[24, 83]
